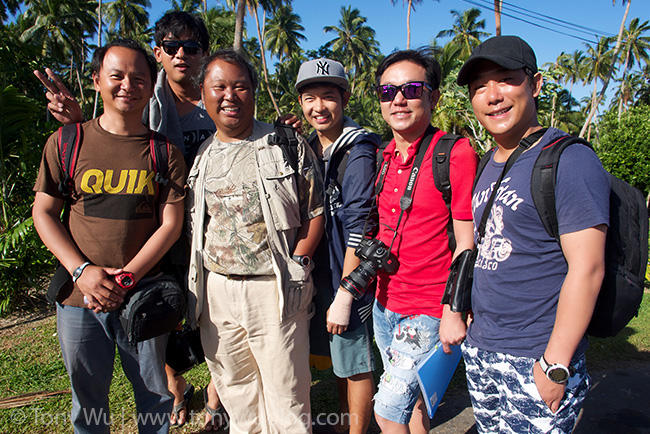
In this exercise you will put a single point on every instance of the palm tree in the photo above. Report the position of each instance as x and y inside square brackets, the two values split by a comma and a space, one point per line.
[59, 26]
[498, 4]
[599, 61]
[267, 6]
[10, 6]
[619, 39]
[191, 6]
[466, 31]
[127, 18]
[240, 13]
[283, 32]
[355, 44]
[635, 48]
[220, 23]
[411, 6]
[571, 68]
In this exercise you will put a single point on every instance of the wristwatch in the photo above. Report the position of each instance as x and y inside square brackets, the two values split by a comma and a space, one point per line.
[303, 260]
[557, 372]
[80, 269]
[125, 280]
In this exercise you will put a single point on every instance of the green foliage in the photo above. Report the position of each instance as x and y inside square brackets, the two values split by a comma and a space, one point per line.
[23, 259]
[624, 147]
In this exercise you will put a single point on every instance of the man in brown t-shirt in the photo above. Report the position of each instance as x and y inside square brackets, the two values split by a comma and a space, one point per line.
[120, 220]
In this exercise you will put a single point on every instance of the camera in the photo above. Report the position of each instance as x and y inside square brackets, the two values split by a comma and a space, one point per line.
[374, 256]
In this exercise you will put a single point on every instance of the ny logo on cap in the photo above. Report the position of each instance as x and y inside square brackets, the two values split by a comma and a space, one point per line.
[323, 68]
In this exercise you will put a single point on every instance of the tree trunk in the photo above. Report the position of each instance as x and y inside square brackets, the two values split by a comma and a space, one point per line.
[408, 26]
[497, 15]
[239, 26]
[595, 105]
[263, 55]
[99, 44]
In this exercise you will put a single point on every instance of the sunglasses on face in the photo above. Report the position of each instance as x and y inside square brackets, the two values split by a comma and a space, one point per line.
[410, 90]
[190, 47]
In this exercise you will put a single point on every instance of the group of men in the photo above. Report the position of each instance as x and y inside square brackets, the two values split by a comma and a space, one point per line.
[264, 232]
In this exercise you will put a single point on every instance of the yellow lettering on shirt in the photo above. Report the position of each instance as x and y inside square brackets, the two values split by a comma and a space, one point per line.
[86, 187]
[108, 181]
[131, 181]
[133, 176]
[145, 180]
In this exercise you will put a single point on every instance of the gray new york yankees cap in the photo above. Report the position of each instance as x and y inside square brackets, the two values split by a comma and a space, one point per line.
[322, 71]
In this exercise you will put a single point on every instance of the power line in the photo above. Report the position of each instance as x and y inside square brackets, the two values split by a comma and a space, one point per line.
[568, 25]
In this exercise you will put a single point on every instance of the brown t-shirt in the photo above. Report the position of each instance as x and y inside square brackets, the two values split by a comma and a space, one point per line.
[114, 205]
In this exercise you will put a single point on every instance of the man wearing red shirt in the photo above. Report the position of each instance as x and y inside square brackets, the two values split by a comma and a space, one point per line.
[408, 318]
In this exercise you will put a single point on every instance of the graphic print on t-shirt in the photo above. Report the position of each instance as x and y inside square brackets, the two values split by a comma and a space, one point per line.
[495, 247]
[127, 195]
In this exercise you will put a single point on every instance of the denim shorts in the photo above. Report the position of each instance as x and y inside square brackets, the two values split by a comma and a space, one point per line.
[403, 341]
[352, 351]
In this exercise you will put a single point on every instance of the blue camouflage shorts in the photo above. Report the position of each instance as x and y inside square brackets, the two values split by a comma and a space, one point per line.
[505, 398]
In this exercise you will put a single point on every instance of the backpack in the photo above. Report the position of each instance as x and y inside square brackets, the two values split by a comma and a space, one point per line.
[626, 248]
[440, 168]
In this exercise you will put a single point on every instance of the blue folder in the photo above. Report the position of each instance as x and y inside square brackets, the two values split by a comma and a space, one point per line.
[434, 375]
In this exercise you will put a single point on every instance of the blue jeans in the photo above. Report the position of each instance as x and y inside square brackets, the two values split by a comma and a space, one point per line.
[88, 345]
[403, 341]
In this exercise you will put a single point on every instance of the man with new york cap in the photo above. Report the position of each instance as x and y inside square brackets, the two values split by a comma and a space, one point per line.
[347, 156]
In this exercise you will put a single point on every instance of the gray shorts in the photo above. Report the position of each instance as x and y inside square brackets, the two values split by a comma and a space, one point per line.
[352, 352]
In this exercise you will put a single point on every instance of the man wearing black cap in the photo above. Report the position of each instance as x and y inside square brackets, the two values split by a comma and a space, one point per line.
[532, 296]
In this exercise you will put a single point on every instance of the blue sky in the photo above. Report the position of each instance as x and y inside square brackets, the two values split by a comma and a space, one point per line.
[431, 16]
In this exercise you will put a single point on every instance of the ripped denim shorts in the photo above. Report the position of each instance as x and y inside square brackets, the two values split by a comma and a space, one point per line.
[403, 341]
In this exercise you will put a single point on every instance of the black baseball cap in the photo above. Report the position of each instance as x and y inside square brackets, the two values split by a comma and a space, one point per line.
[510, 52]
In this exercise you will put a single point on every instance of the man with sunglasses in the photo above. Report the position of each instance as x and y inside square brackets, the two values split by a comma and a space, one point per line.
[175, 110]
[408, 318]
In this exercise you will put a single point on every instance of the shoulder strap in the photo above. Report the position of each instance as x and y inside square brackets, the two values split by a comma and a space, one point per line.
[285, 137]
[485, 159]
[543, 178]
[159, 149]
[70, 138]
[440, 165]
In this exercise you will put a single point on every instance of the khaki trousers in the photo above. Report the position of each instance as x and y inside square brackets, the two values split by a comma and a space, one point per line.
[259, 366]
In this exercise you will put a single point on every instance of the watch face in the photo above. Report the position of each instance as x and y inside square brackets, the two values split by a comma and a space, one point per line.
[558, 374]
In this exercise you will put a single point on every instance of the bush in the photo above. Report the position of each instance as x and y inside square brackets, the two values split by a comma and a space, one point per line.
[23, 258]
[624, 146]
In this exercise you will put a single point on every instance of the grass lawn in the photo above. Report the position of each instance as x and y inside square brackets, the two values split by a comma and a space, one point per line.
[30, 361]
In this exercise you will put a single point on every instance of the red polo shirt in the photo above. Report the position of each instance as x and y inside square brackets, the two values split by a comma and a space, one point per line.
[421, 245]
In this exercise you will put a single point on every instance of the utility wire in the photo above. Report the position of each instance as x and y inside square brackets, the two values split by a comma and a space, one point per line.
[589, 41]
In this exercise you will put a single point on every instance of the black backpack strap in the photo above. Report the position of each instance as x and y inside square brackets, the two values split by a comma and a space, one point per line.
[440, 165]
[543, 179]
[485, 159]
[159, 149]
[70, 137]
[286, 138]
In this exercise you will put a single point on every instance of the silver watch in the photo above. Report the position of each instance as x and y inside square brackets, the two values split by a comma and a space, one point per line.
[557, 372]
[77, 271]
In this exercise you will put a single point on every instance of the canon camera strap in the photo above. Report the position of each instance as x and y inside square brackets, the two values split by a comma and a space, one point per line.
[406, 200]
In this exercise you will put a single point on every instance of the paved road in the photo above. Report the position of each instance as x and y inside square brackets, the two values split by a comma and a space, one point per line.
[619, 402]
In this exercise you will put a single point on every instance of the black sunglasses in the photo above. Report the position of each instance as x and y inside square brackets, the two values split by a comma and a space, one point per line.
[190, 46]
[410, 90]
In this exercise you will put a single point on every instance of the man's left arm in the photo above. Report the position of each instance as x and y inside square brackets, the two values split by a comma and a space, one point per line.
[171, 225]
[585, 255]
